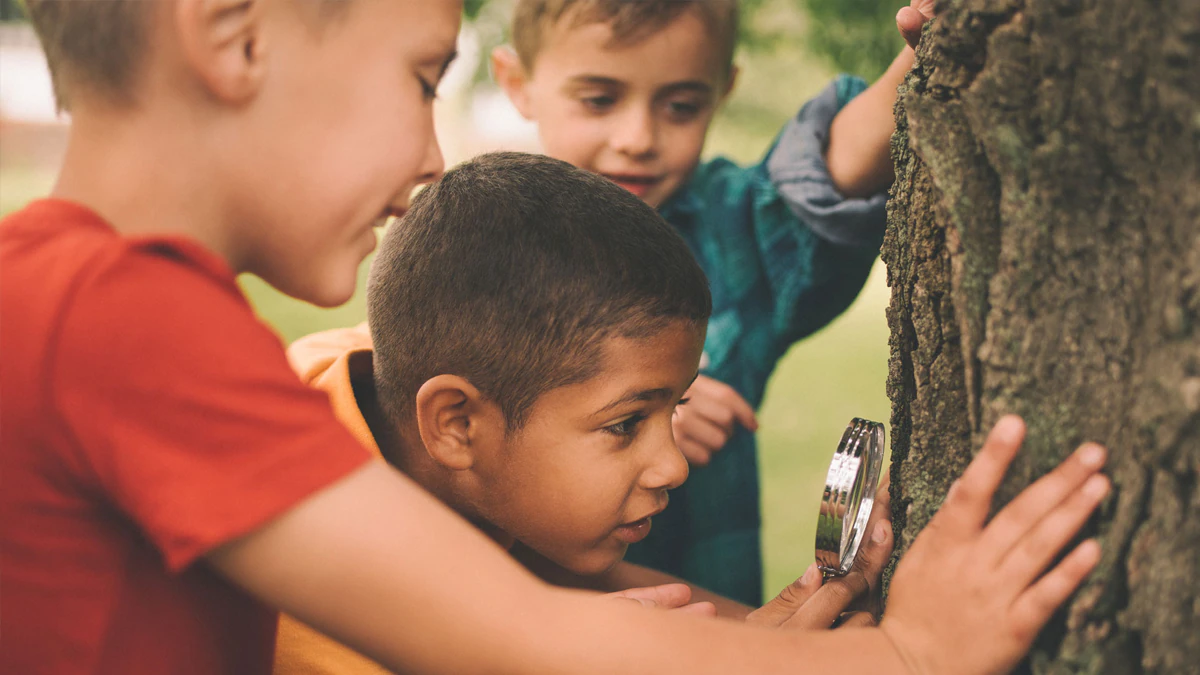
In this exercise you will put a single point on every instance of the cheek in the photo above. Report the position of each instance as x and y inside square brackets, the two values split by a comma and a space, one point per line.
[573, 138]
[686, 142]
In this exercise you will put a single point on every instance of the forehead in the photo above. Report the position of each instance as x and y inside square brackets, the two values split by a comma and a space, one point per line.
[423, 24]
[662, 364]
[684, 49]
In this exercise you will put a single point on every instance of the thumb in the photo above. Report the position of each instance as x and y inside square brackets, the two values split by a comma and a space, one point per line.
[665, 596]
[777, 612]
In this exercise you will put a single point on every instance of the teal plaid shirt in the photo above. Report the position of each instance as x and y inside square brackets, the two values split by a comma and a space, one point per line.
[784, 254]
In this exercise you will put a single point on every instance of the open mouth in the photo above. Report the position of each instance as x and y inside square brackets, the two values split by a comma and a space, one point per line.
[637, 184]
[632, 533]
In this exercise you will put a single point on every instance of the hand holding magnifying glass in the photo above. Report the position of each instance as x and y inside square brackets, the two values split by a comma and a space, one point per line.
[849, 496]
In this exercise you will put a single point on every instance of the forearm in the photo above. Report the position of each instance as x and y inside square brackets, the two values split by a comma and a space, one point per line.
[859, 152]
[424, 592]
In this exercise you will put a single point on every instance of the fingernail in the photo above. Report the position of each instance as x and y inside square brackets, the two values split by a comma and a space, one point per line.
[879, 535]
[1091, 455]
[810, 576]
[1096, 486]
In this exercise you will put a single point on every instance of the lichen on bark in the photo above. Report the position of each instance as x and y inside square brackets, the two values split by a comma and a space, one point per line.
[1043, 251]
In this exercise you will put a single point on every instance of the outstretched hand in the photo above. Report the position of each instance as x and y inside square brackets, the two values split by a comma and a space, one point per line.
[910, 20]
[970, 598]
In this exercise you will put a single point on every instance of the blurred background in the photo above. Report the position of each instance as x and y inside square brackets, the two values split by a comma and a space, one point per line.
[789, 49]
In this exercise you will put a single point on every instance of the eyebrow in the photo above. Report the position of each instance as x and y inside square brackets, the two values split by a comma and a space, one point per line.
[695, 86]
[643, 395]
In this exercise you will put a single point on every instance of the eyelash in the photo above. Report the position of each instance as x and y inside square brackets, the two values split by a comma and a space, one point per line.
[626, 428]
[429, 91]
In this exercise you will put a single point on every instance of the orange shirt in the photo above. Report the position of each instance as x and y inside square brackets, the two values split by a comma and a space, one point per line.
[334, 362]
[148, 417]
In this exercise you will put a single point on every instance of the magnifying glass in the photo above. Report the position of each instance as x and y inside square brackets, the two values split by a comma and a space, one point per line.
[849, 496]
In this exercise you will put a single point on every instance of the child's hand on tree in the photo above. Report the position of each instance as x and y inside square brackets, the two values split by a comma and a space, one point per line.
[970, 598]
[704, 424]
[911, 19]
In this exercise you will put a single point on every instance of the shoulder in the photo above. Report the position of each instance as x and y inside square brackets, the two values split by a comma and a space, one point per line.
[312, 355]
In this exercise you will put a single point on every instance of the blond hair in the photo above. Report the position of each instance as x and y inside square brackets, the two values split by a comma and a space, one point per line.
[630, 20]
[91, 44]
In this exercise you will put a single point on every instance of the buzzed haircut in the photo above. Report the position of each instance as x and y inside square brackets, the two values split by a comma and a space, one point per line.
[91, 44]
[97, 45]
[630, 20]
[511, 271]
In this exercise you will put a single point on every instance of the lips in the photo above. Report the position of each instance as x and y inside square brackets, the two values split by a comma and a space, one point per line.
[636, 530]
[632, 533]
[638, 184]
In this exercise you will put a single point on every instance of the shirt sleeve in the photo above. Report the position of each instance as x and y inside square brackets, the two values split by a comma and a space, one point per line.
[182, 409]
[777, 232]
[798, 171]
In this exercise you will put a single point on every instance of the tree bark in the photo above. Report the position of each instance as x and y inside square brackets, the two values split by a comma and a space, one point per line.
[1043, 251]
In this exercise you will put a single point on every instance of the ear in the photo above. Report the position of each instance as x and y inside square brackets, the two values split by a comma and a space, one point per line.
[222, 42]
[454, 421]
[510, 74]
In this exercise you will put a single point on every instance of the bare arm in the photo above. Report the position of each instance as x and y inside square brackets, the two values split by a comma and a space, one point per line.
[623, 576]
[379, 564]
[859, 152]
[424, 592]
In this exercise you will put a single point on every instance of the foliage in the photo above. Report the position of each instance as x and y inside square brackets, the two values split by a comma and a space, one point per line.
[856, 36]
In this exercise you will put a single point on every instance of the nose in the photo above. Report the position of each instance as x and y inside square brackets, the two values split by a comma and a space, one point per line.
[636, 132]
[433, 165]
[667, 468]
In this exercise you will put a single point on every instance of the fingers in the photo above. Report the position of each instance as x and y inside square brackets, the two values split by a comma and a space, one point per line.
[910, 21]
[665, 596]
[970, 497]
[694, 453]
[693, 426]
[1034, 607]
[721, 403]
[1013, 522]
[855, 620]
[704, 608]
[829, 602]
[872, 558]
[790, 600]
[1035, 550]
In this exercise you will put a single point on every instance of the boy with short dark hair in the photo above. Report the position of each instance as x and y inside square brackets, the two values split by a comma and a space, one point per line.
[627, 89]
[168, 482]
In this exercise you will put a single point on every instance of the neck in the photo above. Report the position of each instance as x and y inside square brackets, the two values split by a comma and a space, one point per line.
[406, 452]
[144, 177]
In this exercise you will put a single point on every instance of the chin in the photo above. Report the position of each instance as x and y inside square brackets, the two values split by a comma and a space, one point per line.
[595, 563]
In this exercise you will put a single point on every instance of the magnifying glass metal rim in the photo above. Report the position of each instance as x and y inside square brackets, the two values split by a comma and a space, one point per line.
[849, 496]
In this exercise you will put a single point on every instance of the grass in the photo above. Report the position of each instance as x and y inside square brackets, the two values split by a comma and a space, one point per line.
[821, 383]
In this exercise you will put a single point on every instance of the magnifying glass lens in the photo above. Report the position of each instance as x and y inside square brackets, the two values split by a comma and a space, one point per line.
[849, 496]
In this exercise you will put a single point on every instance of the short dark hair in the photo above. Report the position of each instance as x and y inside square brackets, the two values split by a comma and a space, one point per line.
[630, 20]
[510, 272]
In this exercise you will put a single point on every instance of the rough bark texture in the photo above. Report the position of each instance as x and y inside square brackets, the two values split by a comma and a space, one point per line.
[1044, 257]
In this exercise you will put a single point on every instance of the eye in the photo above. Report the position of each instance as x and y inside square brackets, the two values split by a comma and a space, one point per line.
[683, 111]
[682, 401]
[598, 104]
[626, 428]
[428, 91]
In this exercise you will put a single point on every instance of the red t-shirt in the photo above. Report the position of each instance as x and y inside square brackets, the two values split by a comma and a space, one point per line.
[146, 417]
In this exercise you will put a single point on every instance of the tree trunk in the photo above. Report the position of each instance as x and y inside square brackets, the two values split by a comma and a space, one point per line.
[1043, 251]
